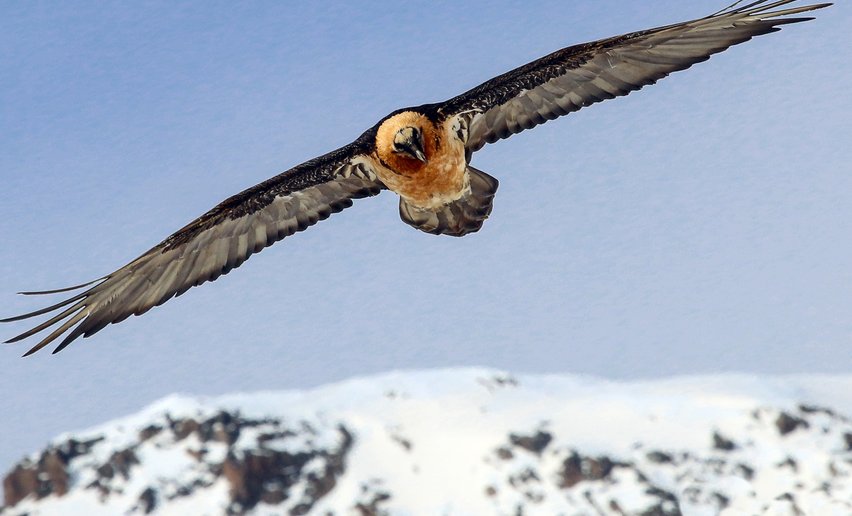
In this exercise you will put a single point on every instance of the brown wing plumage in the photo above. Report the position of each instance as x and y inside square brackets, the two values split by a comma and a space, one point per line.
[210, 246]
[581, 75]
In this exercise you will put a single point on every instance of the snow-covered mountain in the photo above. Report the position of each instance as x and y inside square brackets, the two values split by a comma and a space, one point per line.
[466, 442]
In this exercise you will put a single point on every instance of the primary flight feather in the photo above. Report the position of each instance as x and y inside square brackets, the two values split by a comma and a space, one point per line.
[422, 153]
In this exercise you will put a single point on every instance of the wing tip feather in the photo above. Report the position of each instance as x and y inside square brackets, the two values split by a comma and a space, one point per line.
[61, 290]
[35, 349]
[71, 337]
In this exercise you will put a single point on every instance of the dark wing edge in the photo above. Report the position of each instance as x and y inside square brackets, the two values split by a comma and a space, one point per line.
[581, 75]
[211, 245]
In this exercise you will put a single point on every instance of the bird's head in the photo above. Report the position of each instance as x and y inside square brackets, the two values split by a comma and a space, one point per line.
[406, 141]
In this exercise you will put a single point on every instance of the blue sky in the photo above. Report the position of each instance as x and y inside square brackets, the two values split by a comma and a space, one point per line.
[701, 225]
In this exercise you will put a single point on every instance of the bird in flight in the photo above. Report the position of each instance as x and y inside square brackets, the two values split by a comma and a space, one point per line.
[421, 153]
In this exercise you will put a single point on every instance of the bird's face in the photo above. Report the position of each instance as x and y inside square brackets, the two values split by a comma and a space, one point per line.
[408, 141]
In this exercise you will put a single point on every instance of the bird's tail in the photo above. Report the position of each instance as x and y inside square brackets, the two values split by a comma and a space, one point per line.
[457, 218]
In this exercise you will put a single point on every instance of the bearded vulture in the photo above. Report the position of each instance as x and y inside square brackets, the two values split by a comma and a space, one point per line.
[421, 153]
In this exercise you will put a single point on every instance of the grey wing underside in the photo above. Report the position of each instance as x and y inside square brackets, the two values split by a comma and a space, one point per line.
[582, 75]
[210, 246]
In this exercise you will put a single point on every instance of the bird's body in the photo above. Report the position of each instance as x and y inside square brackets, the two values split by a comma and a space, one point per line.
[422, 154]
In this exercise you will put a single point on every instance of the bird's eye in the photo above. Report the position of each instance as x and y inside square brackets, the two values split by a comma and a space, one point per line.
[404, 137]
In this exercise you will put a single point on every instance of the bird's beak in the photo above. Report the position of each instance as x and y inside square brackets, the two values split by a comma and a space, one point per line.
[414, 147]
[418, 153]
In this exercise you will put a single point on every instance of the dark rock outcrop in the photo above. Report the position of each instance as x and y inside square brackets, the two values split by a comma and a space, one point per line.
[256, 474]
[45, 476]
[535, 443]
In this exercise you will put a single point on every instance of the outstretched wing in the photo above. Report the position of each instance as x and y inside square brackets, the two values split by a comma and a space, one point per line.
[582, 75]
[213, 244]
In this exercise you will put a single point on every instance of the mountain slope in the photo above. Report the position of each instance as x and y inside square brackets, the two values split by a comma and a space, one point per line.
[463, 442]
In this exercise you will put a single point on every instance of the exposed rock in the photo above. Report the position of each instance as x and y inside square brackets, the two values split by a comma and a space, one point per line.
[223, 428]
[813, 409]
[791, 503]
[504, 453]
[147, 501]
[789, 462]
[498, 381]
[658, 457]
[319, 485]
[787, 423]
[149, 432]
[667, 506]
[266, 475]
[527, 475]
[372, 496]
[722, 501]
[263, 474]
[46, 476]
[371, 508]
[577, 468]
[722, 443]
[20, 483]
[535, 443]
[745, 471]
[402, 441]
[118, 463]
[183, 428]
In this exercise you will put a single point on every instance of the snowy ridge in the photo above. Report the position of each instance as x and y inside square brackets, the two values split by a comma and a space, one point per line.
[467, 441]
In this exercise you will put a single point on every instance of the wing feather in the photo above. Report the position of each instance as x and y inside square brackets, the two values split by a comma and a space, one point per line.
[59, 331]
[212, 245]
[579, 76]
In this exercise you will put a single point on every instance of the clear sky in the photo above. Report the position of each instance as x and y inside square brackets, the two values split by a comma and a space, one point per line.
[701, 225]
